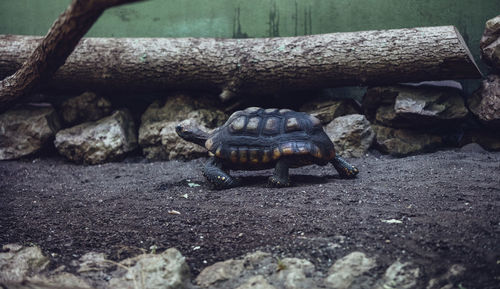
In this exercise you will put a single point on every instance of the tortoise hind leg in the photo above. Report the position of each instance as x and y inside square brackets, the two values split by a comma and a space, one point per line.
[216, 176]
[345, 169]
[280, 177]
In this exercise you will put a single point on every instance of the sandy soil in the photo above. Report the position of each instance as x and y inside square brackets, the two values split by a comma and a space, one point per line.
[448, 203]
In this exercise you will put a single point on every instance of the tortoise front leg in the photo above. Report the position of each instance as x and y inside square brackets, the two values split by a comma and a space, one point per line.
[280, 178]
[345, 169]
[216, 176]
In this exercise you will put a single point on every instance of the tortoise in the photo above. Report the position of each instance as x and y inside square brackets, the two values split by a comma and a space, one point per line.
[257, 139]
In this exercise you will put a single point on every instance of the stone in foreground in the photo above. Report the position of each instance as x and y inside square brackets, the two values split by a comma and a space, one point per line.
[18, 262]
[257, 139]
[97, 142]
[346, 270]
[26, 131]
[167, 270]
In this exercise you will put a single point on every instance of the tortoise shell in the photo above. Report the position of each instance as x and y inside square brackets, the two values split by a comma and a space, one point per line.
[255, 138]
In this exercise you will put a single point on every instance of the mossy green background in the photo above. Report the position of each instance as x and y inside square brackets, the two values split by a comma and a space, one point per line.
[257, 18]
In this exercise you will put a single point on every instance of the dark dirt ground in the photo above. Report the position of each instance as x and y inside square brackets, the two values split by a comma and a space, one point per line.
[448, 202]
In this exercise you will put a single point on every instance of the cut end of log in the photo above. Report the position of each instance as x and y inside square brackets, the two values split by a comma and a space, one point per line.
[478, 72]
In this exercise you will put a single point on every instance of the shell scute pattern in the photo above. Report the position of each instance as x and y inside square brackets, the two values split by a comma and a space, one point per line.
[257, 136]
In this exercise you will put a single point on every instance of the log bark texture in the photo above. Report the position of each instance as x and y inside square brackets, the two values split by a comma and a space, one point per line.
[258, 65]
[42, 58]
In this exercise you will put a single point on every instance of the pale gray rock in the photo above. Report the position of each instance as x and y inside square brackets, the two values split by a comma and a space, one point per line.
[402, 142]
[328, 110]
[352, 135]
[233, 272]
[485, 102]
[258, 270]
[405, 106]
[449, 279]
[157, 135]
[219, 272]
[436, 83]
[490, 43]
[18, 263]
[167, 270]
[97, 142]
[26, 131]
[93, 261]
[62, 280]
[256, 282]
[169, 144]
[345, 270]
[88, 106]
[400, 276]
[294, 273]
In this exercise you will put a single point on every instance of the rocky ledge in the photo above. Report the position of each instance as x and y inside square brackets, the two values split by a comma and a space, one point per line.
[27, 267]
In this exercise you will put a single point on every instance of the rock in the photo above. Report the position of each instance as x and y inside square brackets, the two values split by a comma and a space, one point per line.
[449, 279]
[400, 276]
[472, 148]
[490, 43]
[375, 97]
[402, 142]
[436, 83]
[257, 258]
[352, 135]
[256, 282]
[294, 273]
[405, 106]
[93, 261]
[230, 273]
[327, 110]
[258, 270]
[167, 270]
[58, 281]
[27, 130]
[485, 102]
[346, 270]
[85, 107]
[17, 263]
[157, 135]
[220, 271]
[170, 145]
[97, 142]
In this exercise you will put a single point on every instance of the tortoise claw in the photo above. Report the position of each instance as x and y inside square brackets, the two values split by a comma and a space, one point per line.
[278, 183]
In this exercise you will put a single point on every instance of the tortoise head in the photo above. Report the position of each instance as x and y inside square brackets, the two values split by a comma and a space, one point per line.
[190, 131]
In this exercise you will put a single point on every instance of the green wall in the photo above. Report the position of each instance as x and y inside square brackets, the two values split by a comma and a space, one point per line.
[257, 18]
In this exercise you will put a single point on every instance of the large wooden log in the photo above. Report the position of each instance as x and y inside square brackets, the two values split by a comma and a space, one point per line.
[257, 65]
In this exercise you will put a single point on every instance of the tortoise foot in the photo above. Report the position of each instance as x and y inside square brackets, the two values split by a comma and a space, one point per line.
[222, 181]
[217, 177]
[278, 183]
[345, 169]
